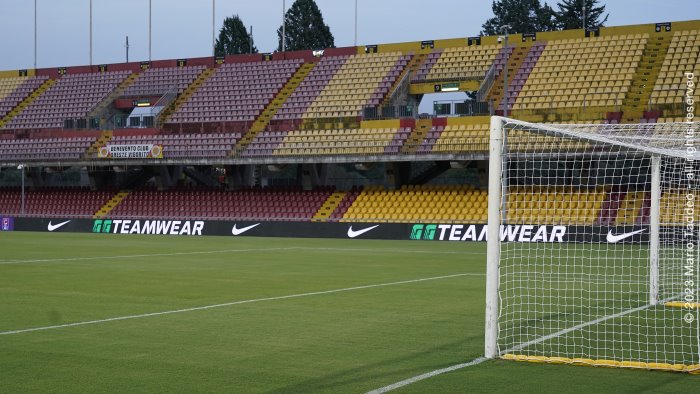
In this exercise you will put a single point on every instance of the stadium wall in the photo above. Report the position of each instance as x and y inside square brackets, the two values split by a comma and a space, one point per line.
[425, 232]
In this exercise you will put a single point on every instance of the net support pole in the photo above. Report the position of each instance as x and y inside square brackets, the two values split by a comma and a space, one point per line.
[493, 250]
[654, 223]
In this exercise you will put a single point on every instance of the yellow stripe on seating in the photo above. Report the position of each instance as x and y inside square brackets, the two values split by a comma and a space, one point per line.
[692, 369]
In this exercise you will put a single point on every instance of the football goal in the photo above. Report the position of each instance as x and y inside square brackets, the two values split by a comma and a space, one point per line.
[618, 285]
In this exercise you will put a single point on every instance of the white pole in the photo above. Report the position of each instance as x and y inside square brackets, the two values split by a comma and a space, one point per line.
[90, 32]
[149, 29]
[654, 223]
[493, 249]
[35, 38]
[213, 27]
[21, 167]
[584, 15]
[355, 23]
[284, 27]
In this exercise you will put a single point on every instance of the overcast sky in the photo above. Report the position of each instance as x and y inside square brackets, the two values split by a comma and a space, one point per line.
[182, 28]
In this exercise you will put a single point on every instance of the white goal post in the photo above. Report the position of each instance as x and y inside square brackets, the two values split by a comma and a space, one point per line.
[618, 284]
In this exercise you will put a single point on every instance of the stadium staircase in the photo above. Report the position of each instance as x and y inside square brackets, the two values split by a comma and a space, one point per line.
[28, 100]
[111, 204]
[175, 104]
[416, 138]
[328, 207]
[403, 78]
[643, 82]
[609, 209]
[514, 62]
[103, 108]
[269, 112]
[103, 139]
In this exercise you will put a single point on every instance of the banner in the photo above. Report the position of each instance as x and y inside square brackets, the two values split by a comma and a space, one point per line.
[140, 151]
[7, 224]
[418, 232]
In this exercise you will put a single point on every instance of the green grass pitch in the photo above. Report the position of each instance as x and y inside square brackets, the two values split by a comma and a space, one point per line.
[346, 336]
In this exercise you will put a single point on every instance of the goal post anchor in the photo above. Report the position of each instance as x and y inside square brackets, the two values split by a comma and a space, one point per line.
[493, 255]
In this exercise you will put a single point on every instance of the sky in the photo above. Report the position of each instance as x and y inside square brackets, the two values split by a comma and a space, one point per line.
[183, 28]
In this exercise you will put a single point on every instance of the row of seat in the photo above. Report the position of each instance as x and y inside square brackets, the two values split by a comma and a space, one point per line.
[85, 91]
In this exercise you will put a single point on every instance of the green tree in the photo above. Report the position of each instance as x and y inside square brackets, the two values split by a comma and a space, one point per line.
[570, 14]
[234, 38]
[305, 28]
[523, 16]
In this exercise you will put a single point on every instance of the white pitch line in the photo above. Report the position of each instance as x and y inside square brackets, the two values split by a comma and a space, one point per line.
[388, 250]
[130, 256]
[206, 307]
[480, 360]
[426, 376]
[67, 259]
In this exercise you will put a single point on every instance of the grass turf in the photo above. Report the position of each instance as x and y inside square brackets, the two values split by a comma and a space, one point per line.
[350, 341]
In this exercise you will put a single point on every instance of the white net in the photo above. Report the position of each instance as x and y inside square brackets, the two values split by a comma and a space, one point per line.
[579, 233]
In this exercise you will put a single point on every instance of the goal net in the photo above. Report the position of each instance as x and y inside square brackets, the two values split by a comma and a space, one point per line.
[593, 249]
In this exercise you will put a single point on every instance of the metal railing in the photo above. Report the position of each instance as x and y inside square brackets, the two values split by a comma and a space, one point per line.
[486, 84]
[389, 112]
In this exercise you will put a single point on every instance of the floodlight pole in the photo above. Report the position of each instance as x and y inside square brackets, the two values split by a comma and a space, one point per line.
[251, 40]
[149, 29]
[584, 14]
[35, 38]
[90, 32]
[355, 23]
[284, 26]
[213, 27]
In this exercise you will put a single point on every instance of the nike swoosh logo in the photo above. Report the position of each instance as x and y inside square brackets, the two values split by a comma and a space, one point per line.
[353, 234]
[239, 231]
[616, 238]
[54, 227]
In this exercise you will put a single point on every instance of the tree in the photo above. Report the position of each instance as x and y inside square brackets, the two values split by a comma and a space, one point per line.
[570, 14]
[305, 28]
[234, 38]
[523, 16]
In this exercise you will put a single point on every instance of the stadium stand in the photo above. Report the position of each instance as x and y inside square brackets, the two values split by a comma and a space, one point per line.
[574, 73]
[158, 81]
[310, 88]
[52, 203]
[72, 96]
[471, 62]
[255, 203]
[14, 90]
[535, 204]
[72, 148]
[427, 203]
[185, 145]
[341, 142]
[683, 57]
[362, 80]
[247, 112]
[236, 92]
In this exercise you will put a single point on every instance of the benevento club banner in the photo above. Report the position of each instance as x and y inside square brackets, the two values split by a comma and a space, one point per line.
[140, 151]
